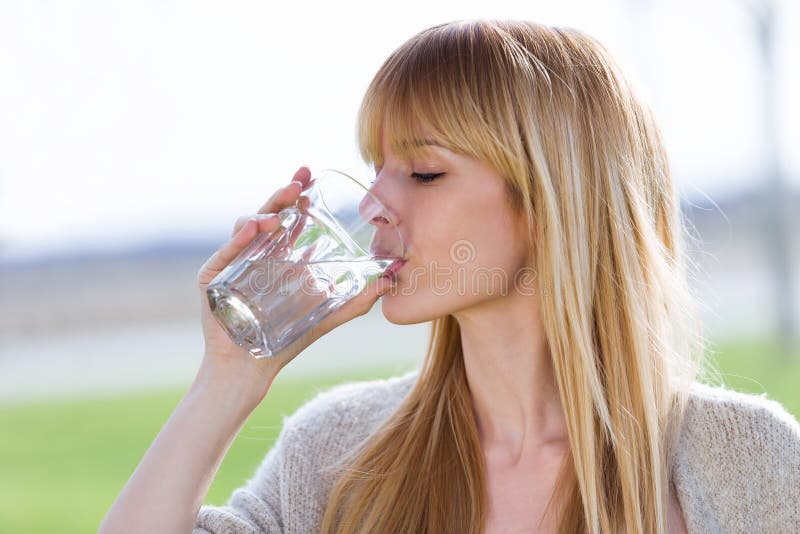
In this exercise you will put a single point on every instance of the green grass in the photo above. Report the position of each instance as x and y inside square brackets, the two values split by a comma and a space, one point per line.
[63, 463]
[758, 366]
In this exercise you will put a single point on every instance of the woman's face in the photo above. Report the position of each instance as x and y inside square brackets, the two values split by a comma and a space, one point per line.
[464, 244]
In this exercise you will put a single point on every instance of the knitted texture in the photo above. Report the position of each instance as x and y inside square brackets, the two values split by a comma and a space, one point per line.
[736, 466]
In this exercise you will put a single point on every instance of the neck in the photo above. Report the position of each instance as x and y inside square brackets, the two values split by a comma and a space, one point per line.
[510, 376]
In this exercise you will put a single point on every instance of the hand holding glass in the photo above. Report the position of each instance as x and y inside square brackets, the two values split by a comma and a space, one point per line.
[333, 242]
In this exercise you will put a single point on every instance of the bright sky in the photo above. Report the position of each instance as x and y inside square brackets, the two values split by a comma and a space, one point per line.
[121, 122]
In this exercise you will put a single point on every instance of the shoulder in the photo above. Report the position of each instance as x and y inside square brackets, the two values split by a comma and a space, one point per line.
[746, 420]
[289, 490]
[737, 460]
[353, 408]
[325, 430]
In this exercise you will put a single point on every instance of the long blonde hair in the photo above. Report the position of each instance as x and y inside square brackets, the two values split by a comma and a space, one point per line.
[584, 161]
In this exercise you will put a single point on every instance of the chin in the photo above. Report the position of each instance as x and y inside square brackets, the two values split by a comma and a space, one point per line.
[402, 309]
[397, 312]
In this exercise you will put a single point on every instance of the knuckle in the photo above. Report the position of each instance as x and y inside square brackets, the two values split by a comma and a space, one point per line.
[240, 222]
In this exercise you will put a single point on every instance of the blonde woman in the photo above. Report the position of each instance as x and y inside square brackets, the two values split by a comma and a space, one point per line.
[559, 393]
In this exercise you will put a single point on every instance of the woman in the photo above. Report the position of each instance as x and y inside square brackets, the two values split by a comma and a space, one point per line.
[559, 393]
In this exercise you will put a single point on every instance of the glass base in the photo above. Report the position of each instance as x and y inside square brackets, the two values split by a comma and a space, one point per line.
[239, 321]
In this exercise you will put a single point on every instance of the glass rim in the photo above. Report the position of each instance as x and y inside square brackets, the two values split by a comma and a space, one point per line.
[366, 190]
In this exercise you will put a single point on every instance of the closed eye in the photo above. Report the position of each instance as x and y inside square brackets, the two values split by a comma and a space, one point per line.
[426, 178]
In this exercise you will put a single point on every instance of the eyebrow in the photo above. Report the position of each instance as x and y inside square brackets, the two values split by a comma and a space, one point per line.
[413, 143]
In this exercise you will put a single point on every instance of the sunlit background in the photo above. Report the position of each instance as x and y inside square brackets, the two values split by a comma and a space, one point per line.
[133, 134]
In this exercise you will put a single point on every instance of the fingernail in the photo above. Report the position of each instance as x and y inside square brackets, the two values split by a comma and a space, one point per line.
[298, 183]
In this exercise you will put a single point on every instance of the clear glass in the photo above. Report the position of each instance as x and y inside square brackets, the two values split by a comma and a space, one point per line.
[334, 241]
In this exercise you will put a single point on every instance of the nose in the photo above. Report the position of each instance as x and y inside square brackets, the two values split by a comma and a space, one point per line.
[375, 210]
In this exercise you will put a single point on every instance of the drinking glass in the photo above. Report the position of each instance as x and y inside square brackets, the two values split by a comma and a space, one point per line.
[336, 239]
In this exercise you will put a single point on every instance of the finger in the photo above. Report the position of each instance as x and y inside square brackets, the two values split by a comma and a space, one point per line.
[287, 195]
[266, 222]
[297, 229]
[355, 307]
[303, 175]
[308, 252]
[227, 252]
[240, 222]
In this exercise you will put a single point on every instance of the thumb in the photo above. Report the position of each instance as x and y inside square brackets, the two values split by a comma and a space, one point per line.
[359, 305]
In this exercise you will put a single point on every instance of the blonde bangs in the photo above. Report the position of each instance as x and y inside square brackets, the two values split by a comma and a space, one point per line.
[428, 92]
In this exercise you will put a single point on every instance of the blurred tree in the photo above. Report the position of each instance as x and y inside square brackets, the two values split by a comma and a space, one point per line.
[776, 193]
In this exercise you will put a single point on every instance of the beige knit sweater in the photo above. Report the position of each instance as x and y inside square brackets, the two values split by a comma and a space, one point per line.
[736, 467]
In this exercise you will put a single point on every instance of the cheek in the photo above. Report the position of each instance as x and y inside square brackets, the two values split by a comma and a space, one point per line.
[463, 255]
[457, 231]
[449, 243]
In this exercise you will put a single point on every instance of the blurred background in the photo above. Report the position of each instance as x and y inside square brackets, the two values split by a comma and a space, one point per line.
[133, 134]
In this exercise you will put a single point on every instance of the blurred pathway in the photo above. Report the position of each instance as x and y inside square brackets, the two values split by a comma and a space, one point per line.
[132, 357]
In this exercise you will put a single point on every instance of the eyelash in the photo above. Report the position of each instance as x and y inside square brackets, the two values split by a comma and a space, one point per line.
[424, 178]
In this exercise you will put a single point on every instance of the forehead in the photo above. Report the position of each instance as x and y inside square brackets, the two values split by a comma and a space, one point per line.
[406, 147]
